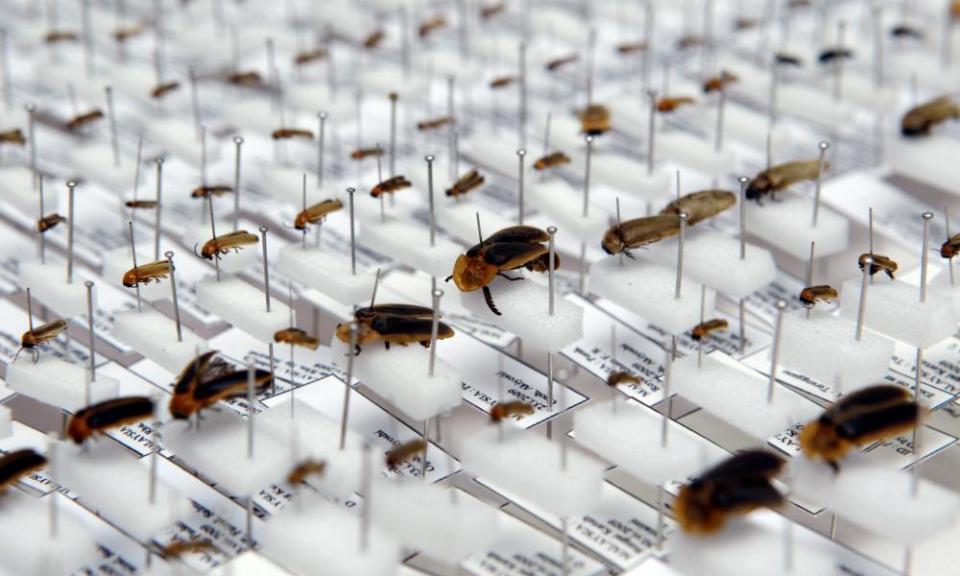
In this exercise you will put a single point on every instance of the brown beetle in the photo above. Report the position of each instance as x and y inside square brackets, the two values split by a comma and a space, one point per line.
[16, 464]
[394, 324]
[121, 35]
[305, 469]
[919, 121]
[146, 273]
[310, 56]
[719, 83]
[223, 387]
[143, 204]
[502, 82]
[503, 410]
[558, 63]
[551, 160]
[431, 25]
[246, 79]
[736, 486]
[215, 247]
[689, 41]
[625, 236]
[49, 222]
[404, 452]
[161, 90]
[14, 136]
[704, 329]
[214, 190]
[41, 335]
[701, 205]
[373, 39]
[867, 415]
[290, 133]
[434, 123]
[665, 105]
[879, 263]
[781, 176]
[466, 183]
[617, 378]
[950, 248]
[203, 368]
[296, 337]
[390, 186]
[178, 548]
[743, 23]
[108, 414]
[363, 153]
[509, 249]
[787, 59]
[594, 120]
[316, 213]
[81, 120]
[57, 36]
[631, 47]
[821, 293]
[488, 11]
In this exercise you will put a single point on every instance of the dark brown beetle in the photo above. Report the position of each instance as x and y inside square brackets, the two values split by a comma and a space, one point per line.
[704, 329]
[363, 153]
[161, 90]
[16, 464]
[595, 120]
[821, 293]
[49, 222]
[290, 133]
[719, 83]
[665, 105]
[467, 183]
[310, 56]
[373, 39]
[146, 273]
[781, 176]
[247, 79]
[617, 378]
[631, 48]
[215, 247]
[880, 263]
[625, 236]
[950, 248]
[214, 190]
[224, 387]
[144, 204]
[41, 335]
[404, 452]
[502, 82]
[432, 25]
[390, 186]
[434, 123]
[296, 337]
[82, 120]
[503, 410]
[14, 136]
[701, 205]
[305, 469]
[920, 120]
[394, 324]
[558, 63]
[108, 414]
[551, 160]
[832, 55]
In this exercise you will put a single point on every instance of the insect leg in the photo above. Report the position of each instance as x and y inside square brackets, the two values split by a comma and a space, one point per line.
[36, 354]
[510, 278]
[17, 355]
[489, 298]
[834, 466]
[447, 279]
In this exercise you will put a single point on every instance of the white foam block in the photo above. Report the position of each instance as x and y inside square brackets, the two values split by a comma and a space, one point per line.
[117, 486]
[400, 376]
[739, 397]
[48, 284]
[16, 189]
[695, 153]
[713, 259]
[788, 224]
[432, 519]
[563, 206]
[929, 159]
[57, 383]
[328, 273]
[894, 309]
[814, 105]
[243, 306]
[525, 311]
[530, 467]
[649, 290]
[6, 422]
[630, 437]
[218, 450]
[630, 175]
[117, 262]
[459, 219]
[249, 563]
[744, 125]
[97, 160]
[179, 137]
[25, 547]
[323, 538]
[409, 243]
[155, 336]
[824, 347]
[493, 153]
[878, 499]
[863, 90]
[283, 183]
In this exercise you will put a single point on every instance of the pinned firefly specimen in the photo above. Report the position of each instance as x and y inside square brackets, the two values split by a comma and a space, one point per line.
[950, 248]
[14, 136]
[701, 205]
[781, 176]
[215, 190]
[488, 11]
[465, 184]
[919, 121]
[906, 31]
[142, 204]
[390, 186]
[310, 56]
[394, 324]
[304, 470]
[291, 133]
[552, 160]
[316, 213]
[558, 63]
[178, 548]
[434, 123]
[57, 36]
[719, 83]
[216, 247]
[49, 222]
[146, 273]
[703, 330]
[363, 153]
[503, 410]
[502, 82]
[512, 248]
[617, 378]
[627, 48]
[16, 464]
[203, 368]
[666, 105]
[834, 55]
[245, 79]
[787, 59]
[955, 10]
[223, 387]
[880, 263]
[31, 339]
[820, 293]
[81, 120]
[431, 25]
[296, 337]
[594, 120]
[108, 414]
[736, 486]
[689, 41]
[161, 90]
[865, 416]
[121, 35]
[639, 232]
[373, 39]
[405, 452]
[743, 23]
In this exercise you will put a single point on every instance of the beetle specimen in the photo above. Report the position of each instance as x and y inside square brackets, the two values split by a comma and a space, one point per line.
[49, 222]
[374, 39]
[178, 548]
[432, 25]
[203, 368]
[551, 160]
[14, 136]
[247, 79]
[502, 82]
[744, 23]
[783, 175]
[404, 452]
[161, 90]
[689, 41]
[920, 120]
[509, 249]
[631, 47]
[81, 120]
[304, 469]
[296, 337]
[215, 247]
[223, 387]
[906, 31]
[40, 335]
[594, 120]
[950, 248]
[108, 414]
[362, 153]
[290, 133]
[394, 324]
[435, 123]
[736, 486]
[18, 463]
[503, 410]
[56, 36]
[617, 378]
[955, 10]
[701, 205]
[822, 293]
[316, 213]
[390, 186]
[211, 190]
[145, 204]
[309, 56]
[467, 183]
[879, 263]
[831, 55]
[671, 104]
[121, 35]
[625, 236]
[718, 83]
[867, 415]
[788, 59]
[146, 273]
[490, 10]
[708, 327]
[558, 63]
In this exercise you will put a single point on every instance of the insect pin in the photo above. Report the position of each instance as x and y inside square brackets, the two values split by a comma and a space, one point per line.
[821, 293]
[704, 329]
[291, 133]
[49, 222]
[736, 486]
[594, 120]
[719, 83]
[864, 416]
[14, 136]
[515, 408]
[81, 120]
[701, 205]
[625, 236]
[215, 247]
[404, 452]
[665, 105]
[434, 123]
[552, 160]
[617, 378]
[880, 263]
[781, 176]
[316, 213]
[141, 204]
[364, 153]
[919, 121]
[161, 90]
[146, 273]
[18, 463]
[215, 190]
[466, 183]
[390, 186]
[393, 324]
[108, 414]
[509, 249]
[304, 470]
[31, 339]
[431, 25]
[232, 384]
[296, 337]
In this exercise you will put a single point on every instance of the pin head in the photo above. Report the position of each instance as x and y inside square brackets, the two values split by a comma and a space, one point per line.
[867, 262]
[71, 184]
[589, 138]
[824, 145]
[169, 254]
[322, 115]
[159, 161]
[88, 284]
[927, 216]
[393, 98]
[521, 152]
[781, 305]
[31, 108]
[743, 180]
[437, 293]
[238, 140]
[551, 230]
[429, 158]
[263, 229]
[350, 191]
[652, 94]
[683, 216]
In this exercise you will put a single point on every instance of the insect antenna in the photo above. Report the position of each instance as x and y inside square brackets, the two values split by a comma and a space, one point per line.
[479, 232]
[489, 299]
[197, 254]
